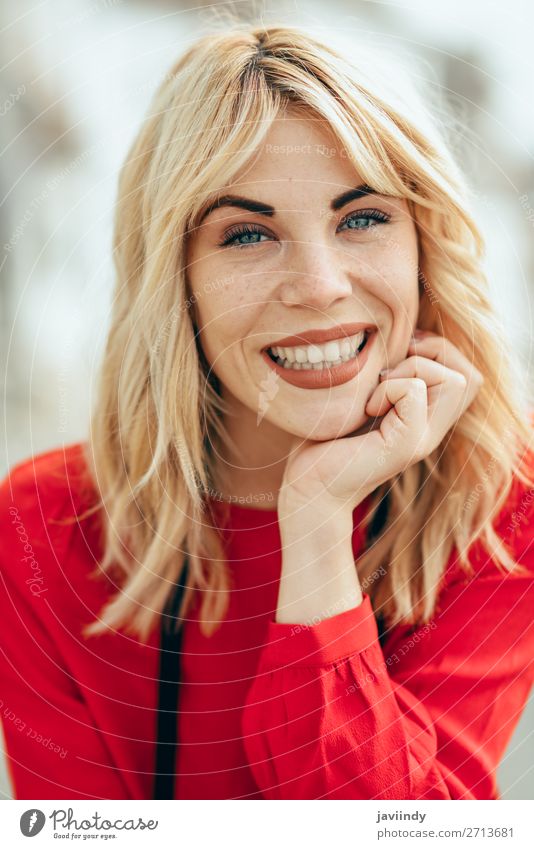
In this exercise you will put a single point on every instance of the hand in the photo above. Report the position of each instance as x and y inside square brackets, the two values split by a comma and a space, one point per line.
[415, 406]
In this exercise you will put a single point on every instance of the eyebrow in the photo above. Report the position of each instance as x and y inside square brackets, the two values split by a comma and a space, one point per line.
[268, 210]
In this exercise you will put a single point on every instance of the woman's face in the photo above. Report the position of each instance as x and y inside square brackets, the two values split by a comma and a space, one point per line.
[302, 257]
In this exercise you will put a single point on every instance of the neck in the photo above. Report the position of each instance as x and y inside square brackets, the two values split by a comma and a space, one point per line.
[255, 461]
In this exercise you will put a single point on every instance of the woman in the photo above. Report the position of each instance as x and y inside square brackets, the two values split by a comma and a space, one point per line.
[345, 552]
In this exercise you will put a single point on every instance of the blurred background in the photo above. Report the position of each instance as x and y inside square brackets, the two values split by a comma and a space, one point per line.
[77, 78]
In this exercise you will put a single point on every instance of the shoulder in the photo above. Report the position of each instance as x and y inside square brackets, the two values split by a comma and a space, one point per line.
[54, 481]
[515, 521]
[41, 500]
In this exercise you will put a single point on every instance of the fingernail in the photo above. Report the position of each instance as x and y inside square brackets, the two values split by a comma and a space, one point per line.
[384, 371]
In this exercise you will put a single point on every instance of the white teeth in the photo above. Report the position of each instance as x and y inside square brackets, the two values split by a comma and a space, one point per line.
[289, 354]
[319, 356]
[332, 350]
[315, 354]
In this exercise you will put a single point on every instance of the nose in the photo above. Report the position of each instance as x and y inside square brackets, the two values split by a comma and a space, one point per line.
[314, 277]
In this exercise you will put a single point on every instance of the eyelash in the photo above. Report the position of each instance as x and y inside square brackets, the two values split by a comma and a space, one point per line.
[248, 229]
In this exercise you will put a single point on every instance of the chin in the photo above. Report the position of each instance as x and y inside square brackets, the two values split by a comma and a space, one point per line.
[325, 431]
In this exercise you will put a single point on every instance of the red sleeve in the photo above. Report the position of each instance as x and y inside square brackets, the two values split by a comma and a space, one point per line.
[333, 714]
[53, 748]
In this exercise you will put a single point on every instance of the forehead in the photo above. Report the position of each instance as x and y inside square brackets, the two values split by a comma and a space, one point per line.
[299, 147]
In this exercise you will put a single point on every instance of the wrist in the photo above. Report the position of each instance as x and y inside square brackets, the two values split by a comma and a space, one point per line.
[319, 576]
[315, 534]
[313, 513]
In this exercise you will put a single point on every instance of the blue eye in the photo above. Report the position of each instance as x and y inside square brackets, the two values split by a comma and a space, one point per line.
[236, 233]
[371, 216]
[252, 232]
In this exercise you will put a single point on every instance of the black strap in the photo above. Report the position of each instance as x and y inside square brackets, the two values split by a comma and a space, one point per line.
[377, 524]
[169, 682]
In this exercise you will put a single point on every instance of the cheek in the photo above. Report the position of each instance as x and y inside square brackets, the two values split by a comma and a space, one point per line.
[399, 283]
[226, 319]
[397, 288]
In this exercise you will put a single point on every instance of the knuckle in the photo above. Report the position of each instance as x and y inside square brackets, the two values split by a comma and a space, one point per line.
[460, 379]
[403, 408]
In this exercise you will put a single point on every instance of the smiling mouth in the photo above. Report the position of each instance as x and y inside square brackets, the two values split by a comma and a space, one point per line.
[319, 357]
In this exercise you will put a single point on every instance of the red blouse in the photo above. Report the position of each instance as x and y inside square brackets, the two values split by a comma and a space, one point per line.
[267, 710]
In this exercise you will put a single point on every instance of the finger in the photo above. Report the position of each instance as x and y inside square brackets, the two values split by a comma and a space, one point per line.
[453, 383]
[406, 398]
[443, 351]
[431, 371]
[448, 391]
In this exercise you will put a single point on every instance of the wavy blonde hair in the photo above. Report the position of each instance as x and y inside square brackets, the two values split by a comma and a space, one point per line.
[159, 412]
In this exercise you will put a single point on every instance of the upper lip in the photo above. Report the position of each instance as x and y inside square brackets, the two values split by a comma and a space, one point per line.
[319, 336]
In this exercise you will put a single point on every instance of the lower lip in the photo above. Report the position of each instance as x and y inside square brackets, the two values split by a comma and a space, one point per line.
[323, 378]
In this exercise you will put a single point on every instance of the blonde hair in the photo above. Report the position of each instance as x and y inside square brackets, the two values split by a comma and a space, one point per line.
[159, 413]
